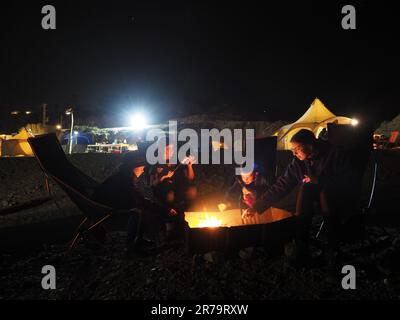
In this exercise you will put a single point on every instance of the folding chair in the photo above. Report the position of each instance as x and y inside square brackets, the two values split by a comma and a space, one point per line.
[265, 156]
[358, 142]
[77, 185]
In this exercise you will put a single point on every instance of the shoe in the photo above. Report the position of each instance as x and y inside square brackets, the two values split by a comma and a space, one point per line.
[144, 243]
[141, 246]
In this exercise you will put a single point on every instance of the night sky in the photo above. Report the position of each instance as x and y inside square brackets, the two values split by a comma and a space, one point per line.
[254, 59]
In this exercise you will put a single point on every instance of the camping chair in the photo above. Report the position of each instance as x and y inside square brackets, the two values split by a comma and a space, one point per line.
[357, 141]
[77, 185]
[265, 156]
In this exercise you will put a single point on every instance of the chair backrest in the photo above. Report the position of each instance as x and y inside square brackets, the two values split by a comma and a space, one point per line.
[53, 161]
[265, 156]
[357, 140]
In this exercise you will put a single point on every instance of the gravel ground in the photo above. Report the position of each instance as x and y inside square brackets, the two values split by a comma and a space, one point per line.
[36, 237]
[172, 274]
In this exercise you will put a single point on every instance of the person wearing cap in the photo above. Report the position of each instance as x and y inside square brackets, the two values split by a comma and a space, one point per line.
[325, 176]
[245, 190]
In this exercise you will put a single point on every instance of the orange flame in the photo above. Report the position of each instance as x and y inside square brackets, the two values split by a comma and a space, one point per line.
[210, 222]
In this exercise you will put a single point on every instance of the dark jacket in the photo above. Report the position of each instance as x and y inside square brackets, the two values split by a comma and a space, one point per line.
[117, 191]
[330, 164]
[235, 195]
[121, 191]
[178, 183]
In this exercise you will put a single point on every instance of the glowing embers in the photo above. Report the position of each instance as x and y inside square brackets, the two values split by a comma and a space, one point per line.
[209, 222]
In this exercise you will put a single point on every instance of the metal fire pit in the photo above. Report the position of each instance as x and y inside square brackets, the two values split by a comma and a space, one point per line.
[271, 229]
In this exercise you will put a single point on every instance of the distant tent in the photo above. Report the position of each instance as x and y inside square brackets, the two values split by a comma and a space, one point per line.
[81, 138]
[314, 119]
[17, 146]
[387, 127]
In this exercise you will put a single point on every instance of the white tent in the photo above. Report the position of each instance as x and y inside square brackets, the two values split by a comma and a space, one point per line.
[314, 119]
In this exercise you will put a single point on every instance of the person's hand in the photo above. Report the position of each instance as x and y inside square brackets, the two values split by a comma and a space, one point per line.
[248, 213]
[222, 207]
[310, 179]
[249, 199]
[167, 176]
[172, 212]
[189, 160]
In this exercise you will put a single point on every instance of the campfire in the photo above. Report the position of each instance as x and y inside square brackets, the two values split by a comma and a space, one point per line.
[210, 222]
[209, 231]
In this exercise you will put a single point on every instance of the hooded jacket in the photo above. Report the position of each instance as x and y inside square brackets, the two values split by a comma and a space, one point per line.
[331, 166]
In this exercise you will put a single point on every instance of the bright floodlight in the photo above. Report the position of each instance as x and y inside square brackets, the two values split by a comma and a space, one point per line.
[58, 127]
[138, 121]
[76, 133]
[354, 122]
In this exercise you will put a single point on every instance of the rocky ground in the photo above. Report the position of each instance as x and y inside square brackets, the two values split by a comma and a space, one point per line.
[35, 237]
[107, 273]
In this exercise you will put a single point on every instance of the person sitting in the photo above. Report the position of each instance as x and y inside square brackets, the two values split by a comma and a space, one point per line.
[245, 190]
[173, 185]
[326, 177]
[127, 189]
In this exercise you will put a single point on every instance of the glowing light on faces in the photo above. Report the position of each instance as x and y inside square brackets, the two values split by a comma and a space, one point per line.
[138, 171]
[248, 178]
[298, 150]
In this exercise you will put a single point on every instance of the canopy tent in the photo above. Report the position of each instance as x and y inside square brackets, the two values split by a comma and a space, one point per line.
[314, 119]
[17, 145]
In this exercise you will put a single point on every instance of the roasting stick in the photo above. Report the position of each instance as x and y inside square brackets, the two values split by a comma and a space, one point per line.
[176, 168]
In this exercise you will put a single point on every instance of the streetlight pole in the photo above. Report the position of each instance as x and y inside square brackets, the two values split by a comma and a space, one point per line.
[71, 113]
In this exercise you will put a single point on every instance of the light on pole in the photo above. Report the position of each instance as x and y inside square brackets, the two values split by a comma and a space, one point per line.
[76, 136]
[138, 121]
[70, 112]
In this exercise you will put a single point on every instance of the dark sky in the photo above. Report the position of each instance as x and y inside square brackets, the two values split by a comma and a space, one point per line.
[255, 59]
